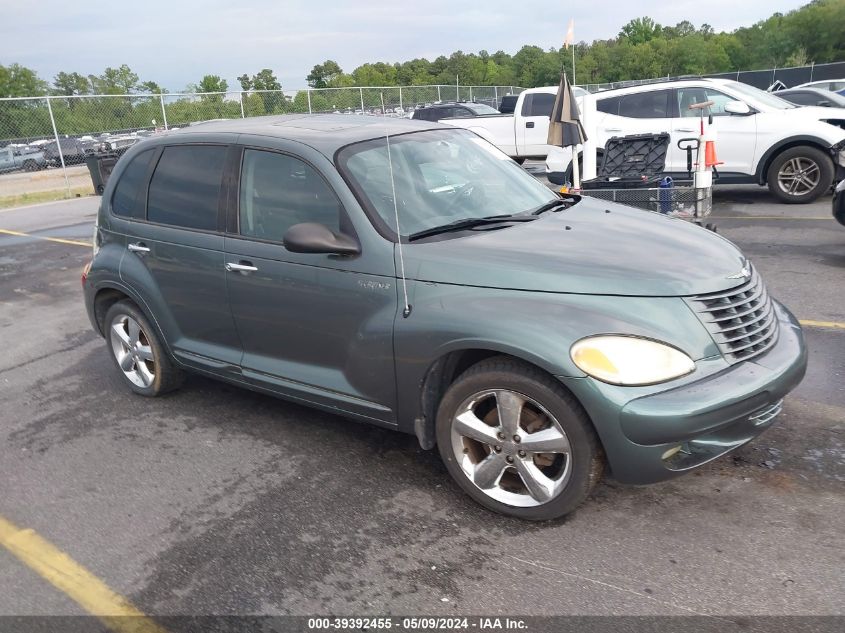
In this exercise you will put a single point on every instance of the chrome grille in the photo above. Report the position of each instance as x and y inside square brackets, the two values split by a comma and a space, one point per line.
[742, 320]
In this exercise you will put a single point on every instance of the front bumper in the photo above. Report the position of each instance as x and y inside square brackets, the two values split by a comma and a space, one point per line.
[706, 418]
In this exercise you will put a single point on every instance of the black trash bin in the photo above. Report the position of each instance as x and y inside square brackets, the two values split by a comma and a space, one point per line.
[100, 166]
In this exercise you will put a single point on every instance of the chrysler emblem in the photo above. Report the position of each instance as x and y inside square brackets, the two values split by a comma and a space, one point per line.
[745, 273]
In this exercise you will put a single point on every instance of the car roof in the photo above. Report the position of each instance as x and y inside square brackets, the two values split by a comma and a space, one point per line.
[662, 85]
[324, 132]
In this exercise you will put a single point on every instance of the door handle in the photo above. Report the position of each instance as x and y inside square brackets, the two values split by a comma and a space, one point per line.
[529, 124]
[685, 129]
[139, 247]
[243, 268]
[613, 129]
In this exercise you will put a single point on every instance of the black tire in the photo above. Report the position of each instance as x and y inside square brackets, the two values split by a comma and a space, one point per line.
[587, 459]
[30, 165]
[166, 376]
[807, 156]
[519, 160]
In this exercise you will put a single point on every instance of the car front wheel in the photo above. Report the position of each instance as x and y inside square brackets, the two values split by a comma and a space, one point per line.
[138, 354]
[517, 442]
[800, 175]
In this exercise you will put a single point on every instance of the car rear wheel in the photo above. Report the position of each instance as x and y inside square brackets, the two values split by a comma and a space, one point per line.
[517, 442]
[800, 175]
[30, 165]
[138, 354]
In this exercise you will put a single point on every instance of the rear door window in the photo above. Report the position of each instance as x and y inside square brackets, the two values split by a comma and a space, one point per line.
[645, 105]
[185, 188]
[126, 200]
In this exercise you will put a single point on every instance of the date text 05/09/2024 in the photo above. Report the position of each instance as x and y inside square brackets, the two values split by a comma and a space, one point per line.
[419, 623]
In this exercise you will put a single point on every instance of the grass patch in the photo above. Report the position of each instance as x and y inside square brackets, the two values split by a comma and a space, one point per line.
[43, 196]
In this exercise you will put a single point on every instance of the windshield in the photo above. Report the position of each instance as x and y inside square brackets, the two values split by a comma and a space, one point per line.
[760, 96]
[480, 108]
[440, 176]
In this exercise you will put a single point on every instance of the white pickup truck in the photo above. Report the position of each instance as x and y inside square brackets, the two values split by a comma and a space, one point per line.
[520, 135]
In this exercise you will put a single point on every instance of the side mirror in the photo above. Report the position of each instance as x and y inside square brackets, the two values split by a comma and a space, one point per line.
[825, 104]
[310, 237]
[737, 107]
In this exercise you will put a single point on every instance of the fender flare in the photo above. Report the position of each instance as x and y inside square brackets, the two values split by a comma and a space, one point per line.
[792, 141]
[138, 300]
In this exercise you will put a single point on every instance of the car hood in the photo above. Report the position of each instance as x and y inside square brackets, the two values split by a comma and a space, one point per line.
[594, 247]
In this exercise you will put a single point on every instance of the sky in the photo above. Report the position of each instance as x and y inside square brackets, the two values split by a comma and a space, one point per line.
[175, 43]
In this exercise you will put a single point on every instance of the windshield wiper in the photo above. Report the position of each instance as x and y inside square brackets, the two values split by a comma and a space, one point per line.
[551, 204]
[468, 223]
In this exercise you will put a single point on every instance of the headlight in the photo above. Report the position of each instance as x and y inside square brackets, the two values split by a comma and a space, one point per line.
[626, 360]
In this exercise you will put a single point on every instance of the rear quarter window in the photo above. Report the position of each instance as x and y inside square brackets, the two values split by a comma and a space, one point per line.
[126, 200]
[185, 188]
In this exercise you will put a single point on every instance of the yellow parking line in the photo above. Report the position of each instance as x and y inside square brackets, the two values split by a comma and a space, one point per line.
[79, 584]
[823, 324]
[44, 237]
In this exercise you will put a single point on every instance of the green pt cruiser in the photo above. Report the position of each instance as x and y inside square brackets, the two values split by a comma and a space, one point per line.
[411, 275]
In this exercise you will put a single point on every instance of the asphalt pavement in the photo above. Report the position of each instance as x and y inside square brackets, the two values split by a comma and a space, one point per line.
[215, 500]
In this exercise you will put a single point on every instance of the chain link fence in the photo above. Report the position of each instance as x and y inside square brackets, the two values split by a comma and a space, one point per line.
[45, 141]
[763, 79]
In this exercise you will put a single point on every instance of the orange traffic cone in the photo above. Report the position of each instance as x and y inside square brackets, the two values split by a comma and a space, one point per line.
[710, 159]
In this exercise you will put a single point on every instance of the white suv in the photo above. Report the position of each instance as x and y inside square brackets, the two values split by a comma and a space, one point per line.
[797, 151]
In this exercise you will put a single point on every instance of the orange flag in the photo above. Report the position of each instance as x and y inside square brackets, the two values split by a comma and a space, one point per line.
[570, 34]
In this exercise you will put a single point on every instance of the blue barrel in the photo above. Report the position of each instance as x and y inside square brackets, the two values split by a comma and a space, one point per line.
[665, 195]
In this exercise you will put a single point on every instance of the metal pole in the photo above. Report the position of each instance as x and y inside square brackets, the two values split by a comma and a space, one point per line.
[400, 98]
[496, 96]
[573, 64]
[163, 111]
[308, 93]
[361, 90]
[812, 66]
[457, 88]
[470, 93]
[58, 145]
[438, 92]
[242, 105]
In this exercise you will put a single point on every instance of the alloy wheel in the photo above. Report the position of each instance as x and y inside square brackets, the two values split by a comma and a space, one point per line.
[799, 176]
[132, 349]
[511, 448]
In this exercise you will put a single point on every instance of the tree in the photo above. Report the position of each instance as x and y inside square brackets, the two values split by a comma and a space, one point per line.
[212, 83]
[69, 84]
[324, 75]
[19, 81]
[265, 80]
[117, 80]
[151, 87]
[640, 30]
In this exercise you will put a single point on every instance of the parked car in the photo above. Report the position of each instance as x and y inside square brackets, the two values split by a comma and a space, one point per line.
[839, 203]
[453, 109]
[812, 97]
[761, 139]
[534, 336]
[834, 85]
[12, 159]
[74, 151]
[521, 135]
[117, 144]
